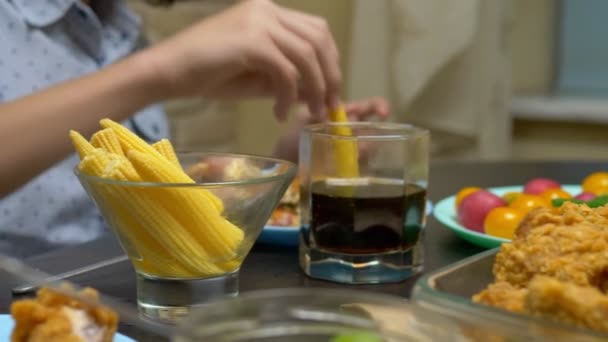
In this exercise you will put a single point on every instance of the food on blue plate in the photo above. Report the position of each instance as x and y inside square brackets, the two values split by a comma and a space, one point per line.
[502, 222]
[537, 192]
[555, 193]
[527, 202]
[463, 193]
[596, 183]
[555, 267]
[536, 186]
[287, 212]
[474, 208]
[511, 196]
[56, 317]
[596, 202]
[585, 196]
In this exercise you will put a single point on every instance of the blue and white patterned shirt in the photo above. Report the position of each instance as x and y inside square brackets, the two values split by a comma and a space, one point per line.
[43, 42]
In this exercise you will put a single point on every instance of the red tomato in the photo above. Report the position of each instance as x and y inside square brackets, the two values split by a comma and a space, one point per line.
[464, 192]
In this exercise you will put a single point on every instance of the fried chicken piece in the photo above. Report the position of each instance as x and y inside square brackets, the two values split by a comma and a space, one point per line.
[565, 302]
[555, 267]
[53, 316]
[502, 295]
[568, 214]
[570, 245]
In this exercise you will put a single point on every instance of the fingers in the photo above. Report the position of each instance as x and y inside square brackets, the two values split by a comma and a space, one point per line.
[303, 55]
[361, 110]
[292, 52]
[316, 31]
[283, 73]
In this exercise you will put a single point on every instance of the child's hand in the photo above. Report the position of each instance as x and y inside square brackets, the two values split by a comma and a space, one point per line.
[254, 48]
[361, 110]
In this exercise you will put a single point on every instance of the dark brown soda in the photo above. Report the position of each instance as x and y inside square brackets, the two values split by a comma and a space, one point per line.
[375, 217]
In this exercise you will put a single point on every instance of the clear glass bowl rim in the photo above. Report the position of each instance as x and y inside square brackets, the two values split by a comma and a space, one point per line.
[252, 298]
[289, 172]
[398, 131]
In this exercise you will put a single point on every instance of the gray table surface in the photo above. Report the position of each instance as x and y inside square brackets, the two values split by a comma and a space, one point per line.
[277, 267]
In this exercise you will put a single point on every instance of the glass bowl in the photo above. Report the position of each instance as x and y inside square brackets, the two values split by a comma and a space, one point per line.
[302, 314]
[187, 241]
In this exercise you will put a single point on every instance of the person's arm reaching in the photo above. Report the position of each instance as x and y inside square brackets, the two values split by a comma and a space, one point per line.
[255, 48]
[359, 110]
[34, 128]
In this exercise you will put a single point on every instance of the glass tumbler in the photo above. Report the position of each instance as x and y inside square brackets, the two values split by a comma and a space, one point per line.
[363, 190]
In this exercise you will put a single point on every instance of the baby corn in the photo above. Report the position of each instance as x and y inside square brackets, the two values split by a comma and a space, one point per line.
[347, 154]
[220, 237]
[129, 140]
[171, 232]
[107, 139]
[82, 146]
[144, 204]
[165, 148]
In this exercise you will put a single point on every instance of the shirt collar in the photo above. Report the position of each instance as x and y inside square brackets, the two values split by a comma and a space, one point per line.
[42, 13]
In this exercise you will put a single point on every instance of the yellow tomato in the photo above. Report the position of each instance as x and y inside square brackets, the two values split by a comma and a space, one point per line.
[502, 222]
[554, 193]
[510, 196]
[464, 192]
[526, 202]
[596, 183]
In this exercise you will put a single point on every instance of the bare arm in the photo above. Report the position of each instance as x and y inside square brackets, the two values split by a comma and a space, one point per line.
[34, 129]
[255, 48]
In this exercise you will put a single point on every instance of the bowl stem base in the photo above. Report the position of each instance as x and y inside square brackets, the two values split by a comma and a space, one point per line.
[170, 300]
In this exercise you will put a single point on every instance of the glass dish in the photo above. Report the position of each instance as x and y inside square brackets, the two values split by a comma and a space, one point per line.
[324, 315]
[363, 199]
[187, 241]
[444, 295]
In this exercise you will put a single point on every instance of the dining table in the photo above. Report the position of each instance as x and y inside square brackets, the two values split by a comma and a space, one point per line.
[276, 266]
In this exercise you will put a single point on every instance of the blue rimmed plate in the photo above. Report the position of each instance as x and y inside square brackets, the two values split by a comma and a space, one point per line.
[288, 236]
[445, 212]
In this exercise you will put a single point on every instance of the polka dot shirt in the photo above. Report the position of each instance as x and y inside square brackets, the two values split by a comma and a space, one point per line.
[45, 42]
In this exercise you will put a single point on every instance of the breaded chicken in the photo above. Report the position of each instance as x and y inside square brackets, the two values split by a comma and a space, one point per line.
[54, 317]
[555, 267]
[566, 215]
[570, 244]
[502, 295]
[582, 306]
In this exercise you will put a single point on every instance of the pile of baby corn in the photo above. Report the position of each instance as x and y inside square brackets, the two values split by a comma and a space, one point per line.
[176, 232]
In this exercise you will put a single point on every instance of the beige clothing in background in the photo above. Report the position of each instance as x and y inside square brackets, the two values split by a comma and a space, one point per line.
[442, 64]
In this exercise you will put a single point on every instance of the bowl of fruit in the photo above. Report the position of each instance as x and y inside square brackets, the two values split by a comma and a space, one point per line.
[488, 217]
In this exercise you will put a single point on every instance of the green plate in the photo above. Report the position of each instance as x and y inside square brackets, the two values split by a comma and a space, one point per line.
[445, 212]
